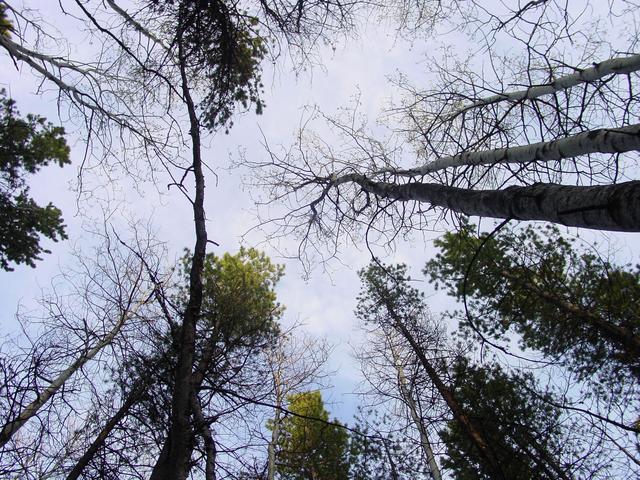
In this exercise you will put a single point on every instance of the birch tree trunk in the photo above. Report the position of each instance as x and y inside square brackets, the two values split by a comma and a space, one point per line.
[32, 409]
[415, 416]
[612, 66]
[604, 140]
[607, 207]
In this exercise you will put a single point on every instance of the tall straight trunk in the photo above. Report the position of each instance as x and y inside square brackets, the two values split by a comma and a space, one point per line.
[415, 416]
[608, 207]
[603, 140]
[174, 462]
[11, 427]
[207, 439]
[275, 430]
[474, 434]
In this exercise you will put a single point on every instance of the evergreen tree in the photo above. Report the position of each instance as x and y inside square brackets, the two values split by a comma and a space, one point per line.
[574, 307]
[26, 145]
[521, 427]
[311, 447]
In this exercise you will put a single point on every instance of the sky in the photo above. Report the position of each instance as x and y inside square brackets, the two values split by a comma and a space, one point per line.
[358, 66]
[324, 301]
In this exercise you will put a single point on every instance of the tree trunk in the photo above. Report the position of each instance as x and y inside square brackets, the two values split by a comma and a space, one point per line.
[609, 207]
[275, 431]
[474, 434]
[415, 416]
[604, 140]
[174, 462]
[613, 66]
[32, 409]
[97, 443]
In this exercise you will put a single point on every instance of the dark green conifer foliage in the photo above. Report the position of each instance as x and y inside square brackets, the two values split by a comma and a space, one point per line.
[311, 449]
[574, 307]
[222, 46]
[522, 428]
[26, 145]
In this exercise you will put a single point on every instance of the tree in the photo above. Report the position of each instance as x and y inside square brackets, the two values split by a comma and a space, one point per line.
[379, 450]
[295, 364]
[239, 325]
[166, 62]
[311, 447]
[575, 307]
[26, 145]
[524, 430]
[508, 448]
[397, 381]
[538, 122]
[96, 310]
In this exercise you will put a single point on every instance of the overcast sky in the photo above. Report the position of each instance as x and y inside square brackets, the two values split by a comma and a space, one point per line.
[324, 303]
[359, 65]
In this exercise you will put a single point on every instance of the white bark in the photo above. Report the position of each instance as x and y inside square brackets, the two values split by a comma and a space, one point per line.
[608, 207]
[275, 430]
[605, 140]
[620, 65]
[32, 409]
[415, 416]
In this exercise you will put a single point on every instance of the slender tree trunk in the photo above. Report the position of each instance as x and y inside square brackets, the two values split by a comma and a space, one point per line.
[415, 416]
[604, 140]
[175, 464]
[207, 437]
[474, 434]
[275, 430]
[10, 428]
[392, 463]
[613, 66]
[97, 443]
[609, 207]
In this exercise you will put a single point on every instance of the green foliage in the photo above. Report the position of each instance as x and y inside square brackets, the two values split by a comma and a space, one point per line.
[520, 426]
[573, 306]
[388, 287]
[310, 448]
[26, 145]
[516, 421]
[239, 300]
[222, 45]
[6, 27]
[240, 315]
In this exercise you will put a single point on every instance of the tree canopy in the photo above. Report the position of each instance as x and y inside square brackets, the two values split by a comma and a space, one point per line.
[311, 447]
[574, 306]
[27, 144]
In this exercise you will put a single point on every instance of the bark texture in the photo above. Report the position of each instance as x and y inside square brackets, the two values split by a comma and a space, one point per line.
[607, 207]
[604, 140]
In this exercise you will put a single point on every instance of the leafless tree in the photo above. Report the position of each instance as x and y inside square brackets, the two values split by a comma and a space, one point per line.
[538, 122]
[93, 315]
